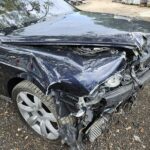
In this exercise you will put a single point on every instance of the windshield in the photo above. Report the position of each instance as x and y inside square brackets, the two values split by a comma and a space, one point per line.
[20, 13]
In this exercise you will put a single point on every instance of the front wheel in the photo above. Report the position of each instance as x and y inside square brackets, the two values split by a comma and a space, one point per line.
[37, 109]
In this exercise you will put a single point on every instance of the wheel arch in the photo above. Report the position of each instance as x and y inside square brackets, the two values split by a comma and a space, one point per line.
[16, 80]
[12, 83]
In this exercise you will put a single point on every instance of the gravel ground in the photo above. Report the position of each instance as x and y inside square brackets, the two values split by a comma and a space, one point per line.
[127, 132]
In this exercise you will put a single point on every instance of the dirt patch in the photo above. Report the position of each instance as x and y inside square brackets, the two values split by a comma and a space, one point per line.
[129, 132]
[107, 6]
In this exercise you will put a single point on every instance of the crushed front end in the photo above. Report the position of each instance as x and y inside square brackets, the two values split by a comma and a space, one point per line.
[91, 80]
[120, 76]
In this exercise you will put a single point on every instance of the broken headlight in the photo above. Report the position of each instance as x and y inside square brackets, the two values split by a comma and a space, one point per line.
[114, 81]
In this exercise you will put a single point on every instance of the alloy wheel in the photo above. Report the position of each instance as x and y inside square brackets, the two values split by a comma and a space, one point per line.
[37, 115]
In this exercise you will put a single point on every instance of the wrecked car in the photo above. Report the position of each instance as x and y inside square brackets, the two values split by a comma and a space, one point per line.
[68, 74]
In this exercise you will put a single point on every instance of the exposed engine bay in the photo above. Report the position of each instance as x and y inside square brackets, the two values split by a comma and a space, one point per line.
[87, 117]
[69, 71]
[90, 83]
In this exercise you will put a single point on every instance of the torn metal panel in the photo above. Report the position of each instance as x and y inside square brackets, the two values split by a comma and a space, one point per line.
[65, 71]
[94, 67]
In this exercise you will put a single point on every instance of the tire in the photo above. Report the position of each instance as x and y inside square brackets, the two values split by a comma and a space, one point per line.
[36, 109]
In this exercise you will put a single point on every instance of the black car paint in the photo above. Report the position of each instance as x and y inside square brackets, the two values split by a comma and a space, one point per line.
[84, 24]
[49, 54]
[46, 69]
[75, 29]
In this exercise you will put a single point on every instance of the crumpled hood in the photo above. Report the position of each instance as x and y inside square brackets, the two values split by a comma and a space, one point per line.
[82, 73]
[74, 72]
[87, 29]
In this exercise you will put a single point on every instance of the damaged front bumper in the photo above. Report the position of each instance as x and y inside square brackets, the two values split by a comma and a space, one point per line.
[92, 127]
[127, 91]
[85, 94]
[119, 98]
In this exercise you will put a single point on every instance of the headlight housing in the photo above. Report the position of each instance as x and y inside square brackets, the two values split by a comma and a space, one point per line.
[114, 81]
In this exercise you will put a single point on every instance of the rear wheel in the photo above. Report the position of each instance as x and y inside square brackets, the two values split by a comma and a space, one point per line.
[37, 109]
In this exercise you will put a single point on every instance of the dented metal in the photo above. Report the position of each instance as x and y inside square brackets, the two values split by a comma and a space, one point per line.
[93, 64]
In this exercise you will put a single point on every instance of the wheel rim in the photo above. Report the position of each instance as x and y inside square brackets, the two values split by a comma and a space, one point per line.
[37, 115]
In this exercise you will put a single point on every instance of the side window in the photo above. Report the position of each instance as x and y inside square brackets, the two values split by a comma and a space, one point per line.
[19, 13]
